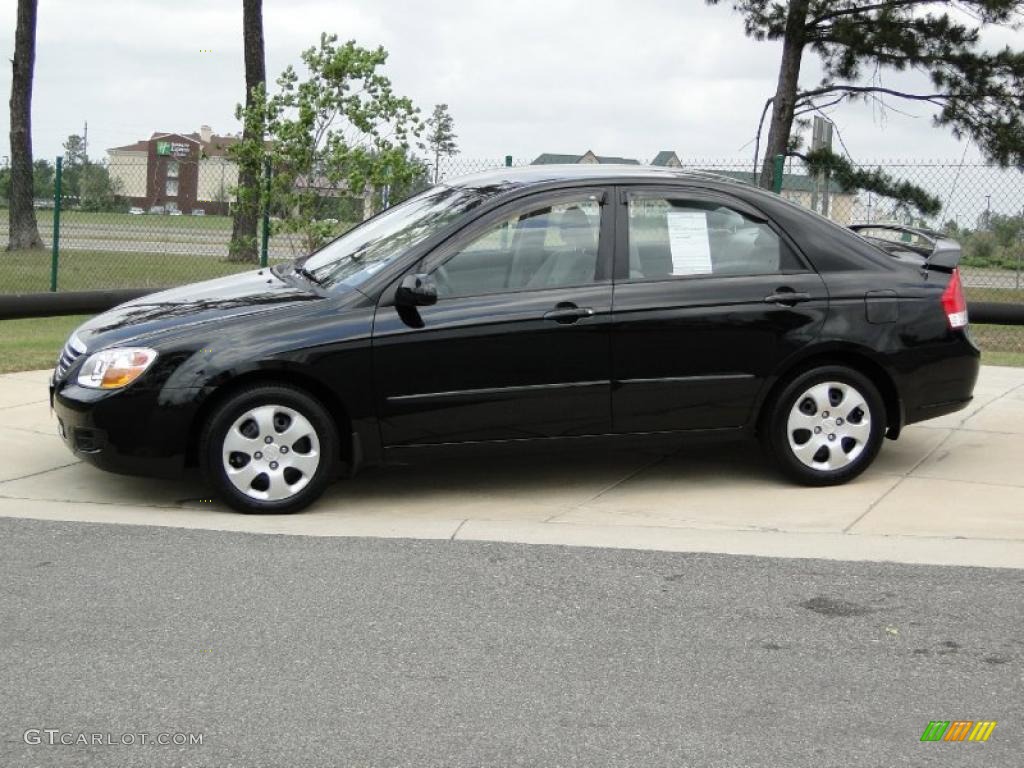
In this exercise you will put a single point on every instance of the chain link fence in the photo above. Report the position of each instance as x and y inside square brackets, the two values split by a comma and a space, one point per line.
[159, 221]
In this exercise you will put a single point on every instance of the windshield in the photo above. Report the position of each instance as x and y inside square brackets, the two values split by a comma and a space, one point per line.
[357, 255]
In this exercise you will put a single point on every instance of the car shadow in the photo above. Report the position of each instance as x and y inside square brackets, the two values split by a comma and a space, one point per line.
[537, 482]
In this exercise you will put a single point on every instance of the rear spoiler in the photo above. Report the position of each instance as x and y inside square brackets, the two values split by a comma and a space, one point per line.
[937, 250]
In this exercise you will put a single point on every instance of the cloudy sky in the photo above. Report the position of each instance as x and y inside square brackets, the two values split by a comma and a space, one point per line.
[521, 76]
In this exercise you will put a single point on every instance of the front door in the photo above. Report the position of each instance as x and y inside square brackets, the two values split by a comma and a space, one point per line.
[516, 346]
[709, 300]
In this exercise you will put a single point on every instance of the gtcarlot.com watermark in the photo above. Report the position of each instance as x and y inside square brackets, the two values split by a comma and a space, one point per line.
[54, 737]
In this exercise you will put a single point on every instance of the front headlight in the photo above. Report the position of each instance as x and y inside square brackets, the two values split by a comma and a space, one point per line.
[115, 368]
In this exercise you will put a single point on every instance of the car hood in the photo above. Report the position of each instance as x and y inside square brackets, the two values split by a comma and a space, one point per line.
[213, 301]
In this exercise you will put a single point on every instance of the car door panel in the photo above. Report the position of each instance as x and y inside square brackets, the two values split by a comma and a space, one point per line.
[514, 365]
[693, 352]
[494, 368]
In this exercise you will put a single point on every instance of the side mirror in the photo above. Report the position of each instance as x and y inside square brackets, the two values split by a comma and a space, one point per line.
[416, 291]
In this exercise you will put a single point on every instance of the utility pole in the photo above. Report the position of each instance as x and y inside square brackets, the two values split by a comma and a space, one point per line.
[988, 211]
[821, 138]
[85, 142]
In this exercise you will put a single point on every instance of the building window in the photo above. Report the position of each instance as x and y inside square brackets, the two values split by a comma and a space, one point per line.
[172, 187]
[172, 169]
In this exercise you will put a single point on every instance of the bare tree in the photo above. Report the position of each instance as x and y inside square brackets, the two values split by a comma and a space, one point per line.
[246, 213]
[24, 231]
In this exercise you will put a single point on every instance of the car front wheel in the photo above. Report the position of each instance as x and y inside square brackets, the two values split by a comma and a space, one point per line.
[826, 426]
[269, 448]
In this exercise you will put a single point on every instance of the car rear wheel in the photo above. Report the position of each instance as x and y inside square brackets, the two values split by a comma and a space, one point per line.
[270, 448]
[826, 425]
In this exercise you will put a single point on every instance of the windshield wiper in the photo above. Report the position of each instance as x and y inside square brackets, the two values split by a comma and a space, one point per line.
[309, 276]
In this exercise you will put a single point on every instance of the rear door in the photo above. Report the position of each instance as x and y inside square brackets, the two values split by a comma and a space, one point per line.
[516, 346]
[709, 299]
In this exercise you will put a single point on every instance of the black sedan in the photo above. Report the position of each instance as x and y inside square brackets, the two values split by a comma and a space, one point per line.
[546, 305]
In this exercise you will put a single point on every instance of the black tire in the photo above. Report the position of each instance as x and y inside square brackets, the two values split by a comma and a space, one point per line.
[287, 408]
[832, 453]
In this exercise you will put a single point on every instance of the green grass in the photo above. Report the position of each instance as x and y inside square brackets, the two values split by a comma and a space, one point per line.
[29, 271]
[1000, 344]
[33, 343]
[1015, 359]
[44, 217]
[994, 294]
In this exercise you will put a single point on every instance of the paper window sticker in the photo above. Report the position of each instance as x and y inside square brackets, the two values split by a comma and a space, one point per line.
[689, 242]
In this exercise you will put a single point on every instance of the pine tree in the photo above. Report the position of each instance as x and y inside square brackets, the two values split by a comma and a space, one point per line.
[977, 93]
[441, 136]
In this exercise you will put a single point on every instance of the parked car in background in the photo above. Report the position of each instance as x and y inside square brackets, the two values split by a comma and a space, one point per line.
[136, 211]
[198, 212]
[550, 305]
[175, 212]
[157, 209]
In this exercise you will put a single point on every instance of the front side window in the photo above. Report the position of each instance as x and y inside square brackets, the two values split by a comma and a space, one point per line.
[548, 246]
[678, 238]
[362, 252]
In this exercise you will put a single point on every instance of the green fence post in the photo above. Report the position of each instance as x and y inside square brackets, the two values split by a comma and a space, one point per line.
[508, 161]
[265, 245]
[777, 172]
[56, 227]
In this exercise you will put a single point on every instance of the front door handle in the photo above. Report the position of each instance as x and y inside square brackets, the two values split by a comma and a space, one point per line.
[567, 315]
[783, 296]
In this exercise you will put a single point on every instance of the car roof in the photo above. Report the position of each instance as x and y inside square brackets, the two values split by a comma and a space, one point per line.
[509, 179]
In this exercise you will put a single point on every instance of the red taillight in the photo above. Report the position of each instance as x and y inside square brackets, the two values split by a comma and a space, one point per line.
[954, 303]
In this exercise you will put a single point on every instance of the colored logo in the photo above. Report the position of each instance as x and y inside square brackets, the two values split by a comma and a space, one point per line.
[958, 730]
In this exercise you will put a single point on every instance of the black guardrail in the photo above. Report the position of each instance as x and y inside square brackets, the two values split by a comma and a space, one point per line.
[17, 305]
[996, 312]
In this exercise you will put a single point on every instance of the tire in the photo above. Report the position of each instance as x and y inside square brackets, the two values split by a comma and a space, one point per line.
[284, 473]
[825, 426]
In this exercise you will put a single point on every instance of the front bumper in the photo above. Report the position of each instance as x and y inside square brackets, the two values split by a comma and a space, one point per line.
[134, 431]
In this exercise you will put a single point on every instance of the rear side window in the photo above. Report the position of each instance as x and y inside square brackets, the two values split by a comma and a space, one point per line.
[688, 238]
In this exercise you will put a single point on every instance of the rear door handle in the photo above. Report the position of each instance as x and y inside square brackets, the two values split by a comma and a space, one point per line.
[568, 314]
[786, 297]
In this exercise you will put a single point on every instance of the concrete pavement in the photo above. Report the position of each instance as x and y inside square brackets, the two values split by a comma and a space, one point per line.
[950, 491]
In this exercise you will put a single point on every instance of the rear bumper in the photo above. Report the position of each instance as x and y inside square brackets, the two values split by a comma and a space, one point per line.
[131, 432]
[944, 384]
[934, 410]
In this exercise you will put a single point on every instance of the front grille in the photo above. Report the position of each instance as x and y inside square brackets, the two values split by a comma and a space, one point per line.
[71, 352]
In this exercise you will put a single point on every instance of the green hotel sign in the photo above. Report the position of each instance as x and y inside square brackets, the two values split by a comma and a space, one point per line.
[173, 148]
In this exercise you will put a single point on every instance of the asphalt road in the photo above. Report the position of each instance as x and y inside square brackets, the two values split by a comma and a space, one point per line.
[295, 651]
